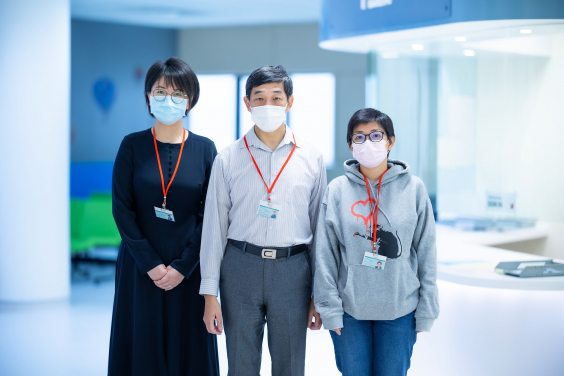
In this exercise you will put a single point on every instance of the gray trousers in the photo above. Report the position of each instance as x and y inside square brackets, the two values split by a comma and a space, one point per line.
[253, 291]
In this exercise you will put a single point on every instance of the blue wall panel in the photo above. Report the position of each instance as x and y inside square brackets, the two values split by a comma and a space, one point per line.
[345, 18]
[108, 63]
[90, 177]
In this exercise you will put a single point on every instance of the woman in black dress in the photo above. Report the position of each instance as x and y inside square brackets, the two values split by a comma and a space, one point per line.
[158, 206]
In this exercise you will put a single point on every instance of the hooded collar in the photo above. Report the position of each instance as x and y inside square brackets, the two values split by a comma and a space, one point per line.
[253, 140]
[396, 168]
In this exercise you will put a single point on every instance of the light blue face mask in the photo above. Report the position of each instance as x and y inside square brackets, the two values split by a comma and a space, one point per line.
[167, 111]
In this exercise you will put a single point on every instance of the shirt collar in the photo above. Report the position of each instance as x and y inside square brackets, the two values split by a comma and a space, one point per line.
[253, 140]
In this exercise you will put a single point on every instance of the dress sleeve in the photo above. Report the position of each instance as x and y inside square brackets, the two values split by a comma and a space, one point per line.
[191, 254]
[144, 254]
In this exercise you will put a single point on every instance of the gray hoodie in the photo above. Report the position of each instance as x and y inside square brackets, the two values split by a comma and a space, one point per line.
[405, 234]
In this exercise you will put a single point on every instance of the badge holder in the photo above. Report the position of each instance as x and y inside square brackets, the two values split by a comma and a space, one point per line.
[374, 260]
[164, 213]
[268, 209]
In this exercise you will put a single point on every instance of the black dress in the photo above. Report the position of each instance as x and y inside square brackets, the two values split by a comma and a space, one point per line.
[157, 332]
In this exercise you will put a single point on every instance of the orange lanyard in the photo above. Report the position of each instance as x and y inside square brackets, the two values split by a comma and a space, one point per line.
[165, 191]
[269, 190]
[374, 213]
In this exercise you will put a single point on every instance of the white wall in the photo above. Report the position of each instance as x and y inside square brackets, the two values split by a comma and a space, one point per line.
[520, 130]
[240, 50]
[501, 127]
[456, 143]
[34, 149]
[407, 92]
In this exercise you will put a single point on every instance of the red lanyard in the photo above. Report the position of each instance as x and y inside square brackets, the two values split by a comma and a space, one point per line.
[165, 191]
[374, 213]
[269, 190]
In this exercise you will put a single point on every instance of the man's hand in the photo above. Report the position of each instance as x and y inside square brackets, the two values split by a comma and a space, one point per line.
[158, 272]
[172, 279]
[212, 315]
[338, 331]
[312, 313]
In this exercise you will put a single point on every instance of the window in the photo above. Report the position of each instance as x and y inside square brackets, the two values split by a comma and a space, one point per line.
[222, 116]
[245, 122]
[312, 117]
[215, 114]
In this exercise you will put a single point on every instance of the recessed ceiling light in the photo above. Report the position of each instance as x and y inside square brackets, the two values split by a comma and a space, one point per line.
[417, 47]
[390, 55]
[469, 52]
[526, 31]
[460, 39]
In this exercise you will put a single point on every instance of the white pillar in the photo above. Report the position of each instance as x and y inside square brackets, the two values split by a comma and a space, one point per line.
[34, 150]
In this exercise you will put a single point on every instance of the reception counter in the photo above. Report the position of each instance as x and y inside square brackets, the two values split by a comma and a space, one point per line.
[468, 258]
[491, 324]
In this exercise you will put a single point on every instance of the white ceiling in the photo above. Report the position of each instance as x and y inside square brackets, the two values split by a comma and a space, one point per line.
[482, 37]
[197, 13]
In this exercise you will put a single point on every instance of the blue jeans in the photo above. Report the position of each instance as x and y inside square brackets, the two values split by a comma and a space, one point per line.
[375, 348]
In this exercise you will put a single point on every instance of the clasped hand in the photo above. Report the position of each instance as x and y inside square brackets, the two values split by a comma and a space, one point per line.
[165, 278]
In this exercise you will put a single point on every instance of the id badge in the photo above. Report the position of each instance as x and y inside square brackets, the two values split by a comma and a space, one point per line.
[268, 209]
[164, 214]
[375, 261]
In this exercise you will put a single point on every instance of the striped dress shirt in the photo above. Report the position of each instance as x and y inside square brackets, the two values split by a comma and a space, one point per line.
[234, 192]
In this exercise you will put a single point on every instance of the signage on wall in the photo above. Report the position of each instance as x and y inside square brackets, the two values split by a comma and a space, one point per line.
[370, 4]
[504, 202]
[345, 18]
[348, 18]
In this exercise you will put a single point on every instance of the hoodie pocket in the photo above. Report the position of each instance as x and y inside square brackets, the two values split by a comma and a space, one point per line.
[411, 274]
[387, 294]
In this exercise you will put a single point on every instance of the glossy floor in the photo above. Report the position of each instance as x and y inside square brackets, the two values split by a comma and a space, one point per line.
[479, 332]
[71, 337]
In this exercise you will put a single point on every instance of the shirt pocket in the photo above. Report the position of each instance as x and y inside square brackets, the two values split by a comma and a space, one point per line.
[296, 201]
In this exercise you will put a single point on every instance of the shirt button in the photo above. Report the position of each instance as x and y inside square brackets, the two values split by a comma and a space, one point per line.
[273, 154]
[271, 227]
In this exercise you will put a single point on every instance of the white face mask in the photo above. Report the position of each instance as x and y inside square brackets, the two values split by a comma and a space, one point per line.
[370, 154]
[167, 111]
[268, 118]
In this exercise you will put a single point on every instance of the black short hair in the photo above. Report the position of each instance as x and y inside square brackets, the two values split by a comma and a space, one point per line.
[177, 74]
[266, 74]
[370, 115]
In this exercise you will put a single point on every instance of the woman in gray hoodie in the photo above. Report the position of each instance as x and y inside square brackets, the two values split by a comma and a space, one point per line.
[375, 268]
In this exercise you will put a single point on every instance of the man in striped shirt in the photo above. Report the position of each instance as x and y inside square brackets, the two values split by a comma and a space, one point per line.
[261, 211]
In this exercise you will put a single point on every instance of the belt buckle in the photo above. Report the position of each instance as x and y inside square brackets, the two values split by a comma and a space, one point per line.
[268, 253]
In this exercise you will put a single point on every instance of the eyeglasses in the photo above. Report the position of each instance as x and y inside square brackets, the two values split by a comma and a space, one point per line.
[160, 95]
[375, 136]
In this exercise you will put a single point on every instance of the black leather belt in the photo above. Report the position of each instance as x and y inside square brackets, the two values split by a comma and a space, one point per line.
[268, 253]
